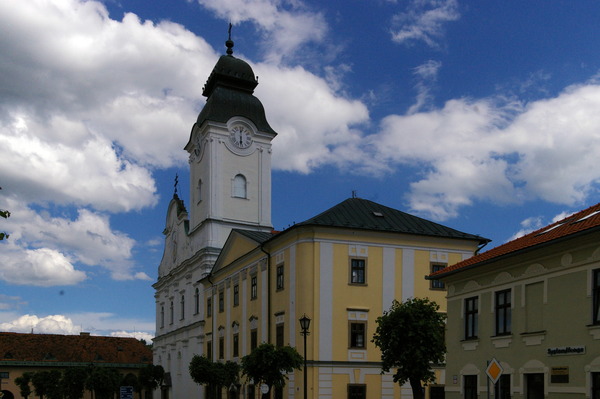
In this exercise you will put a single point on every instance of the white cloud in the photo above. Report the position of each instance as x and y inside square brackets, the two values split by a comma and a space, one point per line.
[41, 267]
[320, 130]
[76, 323]
[44, 250]
[426, 75]
[423, 21]
[286, 25]
[91, 105]
[8, 302]
[498, 151]
[53, 324]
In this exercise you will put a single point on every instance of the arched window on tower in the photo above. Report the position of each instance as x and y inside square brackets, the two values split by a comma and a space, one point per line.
[239, 186]
[182, 302]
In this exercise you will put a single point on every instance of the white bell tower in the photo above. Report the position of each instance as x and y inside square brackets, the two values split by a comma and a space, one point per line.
[230, 158]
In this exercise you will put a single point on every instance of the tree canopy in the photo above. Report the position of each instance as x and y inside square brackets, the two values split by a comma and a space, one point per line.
[213, 374]
[269, 364]
[410, 336]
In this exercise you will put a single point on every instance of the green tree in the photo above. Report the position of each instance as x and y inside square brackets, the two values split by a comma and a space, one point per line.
[23, 384]
[104, 382]
[73, 382]
[46, 384]
[411, 338]
[150, 378]
[4, 214]
[268, 364]
[214, 375]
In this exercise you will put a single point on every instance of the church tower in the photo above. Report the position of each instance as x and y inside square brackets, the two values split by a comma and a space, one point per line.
[230, 158]
[230, 188]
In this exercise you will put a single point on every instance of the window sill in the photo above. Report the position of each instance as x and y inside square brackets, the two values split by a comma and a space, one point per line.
[502, 341]
[357, 354]
[359, 284]
[594, 330]
[533, 338]
[470, 344]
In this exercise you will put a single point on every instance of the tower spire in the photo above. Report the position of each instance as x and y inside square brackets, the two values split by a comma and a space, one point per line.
[229, 42]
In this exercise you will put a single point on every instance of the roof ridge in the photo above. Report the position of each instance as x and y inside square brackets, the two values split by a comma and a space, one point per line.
[575, 223]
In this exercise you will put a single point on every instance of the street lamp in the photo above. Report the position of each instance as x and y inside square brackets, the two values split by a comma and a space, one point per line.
[304, 325]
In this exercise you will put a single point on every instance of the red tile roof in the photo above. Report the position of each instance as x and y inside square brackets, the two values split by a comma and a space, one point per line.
[72, 349]
[579, 223]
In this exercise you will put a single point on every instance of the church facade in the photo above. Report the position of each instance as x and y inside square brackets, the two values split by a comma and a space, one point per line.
[227, 282]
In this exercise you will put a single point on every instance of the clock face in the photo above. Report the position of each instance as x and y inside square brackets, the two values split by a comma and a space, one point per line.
[240, 136]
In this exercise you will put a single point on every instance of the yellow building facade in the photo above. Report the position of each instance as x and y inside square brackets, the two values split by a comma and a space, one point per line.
[340, 270]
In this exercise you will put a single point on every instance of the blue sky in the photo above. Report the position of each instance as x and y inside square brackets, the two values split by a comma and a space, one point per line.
[479, 115]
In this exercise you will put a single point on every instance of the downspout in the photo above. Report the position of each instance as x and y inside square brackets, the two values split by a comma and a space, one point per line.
[212, 322]
[262, 248]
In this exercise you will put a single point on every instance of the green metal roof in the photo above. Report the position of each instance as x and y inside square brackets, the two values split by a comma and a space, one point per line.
[358, 213]
[257, 236]
[229, 90]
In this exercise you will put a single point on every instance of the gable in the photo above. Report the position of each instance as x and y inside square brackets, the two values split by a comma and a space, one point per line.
[238, 244]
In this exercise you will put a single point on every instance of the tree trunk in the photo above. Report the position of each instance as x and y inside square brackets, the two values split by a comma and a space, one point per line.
[417, 389]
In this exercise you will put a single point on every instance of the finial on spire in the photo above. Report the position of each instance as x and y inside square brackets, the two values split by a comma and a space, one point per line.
[176, 184]
[229, 42]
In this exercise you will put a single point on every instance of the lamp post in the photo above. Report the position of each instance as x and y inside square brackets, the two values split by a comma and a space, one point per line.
[304, 325]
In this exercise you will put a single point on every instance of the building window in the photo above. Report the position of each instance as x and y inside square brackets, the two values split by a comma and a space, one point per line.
[502, 387]
[239, 186]
[209, 350]
[503, 312]
[279, 337]
[172, 315]
[470, 386]
[162, 317]
[197, 301]
[236, 345]
[221, 301]
[596, 294]
[236, 295]
[471, 317]
[280, 277]
[278, 392]
[437, 284]
[253, 339]
[221, 348]
[253, 288]
[356, 391]
[357, 335]
[182, 303]
[208, 307]
[357, 271]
